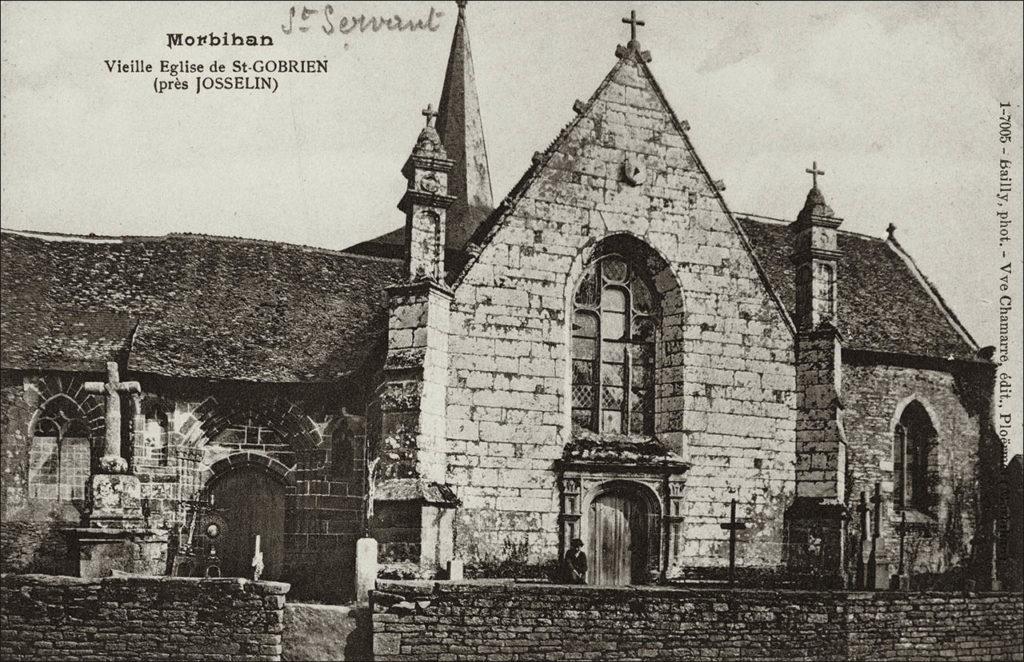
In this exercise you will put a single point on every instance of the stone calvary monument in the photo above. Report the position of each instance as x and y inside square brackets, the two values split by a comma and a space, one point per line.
[116, 536]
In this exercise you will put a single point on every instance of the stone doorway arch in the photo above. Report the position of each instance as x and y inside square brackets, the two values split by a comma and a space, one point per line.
[621, 532]
[249, 500]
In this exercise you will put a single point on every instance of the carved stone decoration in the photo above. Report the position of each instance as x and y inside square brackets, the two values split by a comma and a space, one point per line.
[634, 171]
[430, 183]
[116, 501]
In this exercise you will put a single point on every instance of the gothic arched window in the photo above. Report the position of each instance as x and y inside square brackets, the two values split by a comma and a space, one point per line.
[613, 350]
[912, 446]
[60, 459]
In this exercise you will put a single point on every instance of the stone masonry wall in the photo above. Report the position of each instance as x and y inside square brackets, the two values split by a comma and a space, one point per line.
[875, 396]
[535, 622]
[183, 436]
[724, 382]
[142, 618]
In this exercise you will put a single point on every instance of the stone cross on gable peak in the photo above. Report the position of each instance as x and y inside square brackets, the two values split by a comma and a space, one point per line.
[429, 113]
[111, 460]
[633, 22]
[633, 46]
[814, 172]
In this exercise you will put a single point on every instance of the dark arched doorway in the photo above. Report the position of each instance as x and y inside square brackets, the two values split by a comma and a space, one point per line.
[249, 500]
[618, 542]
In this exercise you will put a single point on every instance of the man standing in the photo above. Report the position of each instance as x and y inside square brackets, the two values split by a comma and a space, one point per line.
[574, 565]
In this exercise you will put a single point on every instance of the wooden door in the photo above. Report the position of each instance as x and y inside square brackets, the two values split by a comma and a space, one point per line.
[618, 539]
[250, 502]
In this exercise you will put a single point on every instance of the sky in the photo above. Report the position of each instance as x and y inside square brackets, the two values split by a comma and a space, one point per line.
[897, 102]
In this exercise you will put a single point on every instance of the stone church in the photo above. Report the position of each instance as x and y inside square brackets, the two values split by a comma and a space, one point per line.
[606, 353]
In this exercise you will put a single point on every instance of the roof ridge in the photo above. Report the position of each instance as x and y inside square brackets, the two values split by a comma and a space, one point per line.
[48, 235]
[95, 238]
[771, 220]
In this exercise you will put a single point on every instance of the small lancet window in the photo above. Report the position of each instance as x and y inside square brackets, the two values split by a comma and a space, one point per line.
[613, 350]
[913, 442]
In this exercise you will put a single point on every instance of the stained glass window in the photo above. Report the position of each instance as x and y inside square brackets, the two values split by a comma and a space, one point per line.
[613, 350]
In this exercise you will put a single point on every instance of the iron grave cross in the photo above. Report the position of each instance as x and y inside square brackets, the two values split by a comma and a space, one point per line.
[111, 460]
[814, 172]
[633, 22]
[732, 527]
[429, 113]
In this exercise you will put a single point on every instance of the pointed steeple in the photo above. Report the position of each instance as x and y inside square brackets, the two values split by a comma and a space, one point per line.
[462, 133]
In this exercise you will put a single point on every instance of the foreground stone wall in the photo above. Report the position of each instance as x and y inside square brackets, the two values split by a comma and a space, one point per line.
[145, 618]
[537, 622]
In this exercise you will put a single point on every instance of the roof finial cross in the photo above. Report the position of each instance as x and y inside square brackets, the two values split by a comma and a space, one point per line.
[633, 21]
[814, 172]
[429, 113]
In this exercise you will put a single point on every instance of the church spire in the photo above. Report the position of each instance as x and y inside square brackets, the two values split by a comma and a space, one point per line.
[462, 133]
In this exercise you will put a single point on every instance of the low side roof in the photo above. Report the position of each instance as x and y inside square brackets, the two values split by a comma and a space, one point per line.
[883, 305]
[190, 306]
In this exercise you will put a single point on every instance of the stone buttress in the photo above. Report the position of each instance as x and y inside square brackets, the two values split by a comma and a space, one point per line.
[816, 521]
[412, 511]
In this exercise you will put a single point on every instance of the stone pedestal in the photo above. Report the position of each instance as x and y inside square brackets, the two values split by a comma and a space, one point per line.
[102, 552]
[117, 537]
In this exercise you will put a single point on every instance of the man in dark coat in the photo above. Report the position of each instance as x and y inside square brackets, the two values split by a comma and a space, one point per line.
[574, 565]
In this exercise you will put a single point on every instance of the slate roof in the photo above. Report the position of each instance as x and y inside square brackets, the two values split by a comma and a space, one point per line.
[220, 308]
[190, 306]
[883, 304]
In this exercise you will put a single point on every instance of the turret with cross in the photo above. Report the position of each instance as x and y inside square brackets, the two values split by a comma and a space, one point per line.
[816, 254]
[633, 47]
[426, 202]
[819, 525]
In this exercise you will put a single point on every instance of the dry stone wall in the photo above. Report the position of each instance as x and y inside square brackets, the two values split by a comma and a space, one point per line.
[143, 618]
[725, 381]
[536, 622]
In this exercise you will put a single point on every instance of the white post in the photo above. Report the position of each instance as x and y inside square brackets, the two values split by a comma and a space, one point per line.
[366, 568]
[257, 561]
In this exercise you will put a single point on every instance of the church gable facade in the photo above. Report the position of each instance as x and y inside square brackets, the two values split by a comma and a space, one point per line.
[608, 355]
[612, 306]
